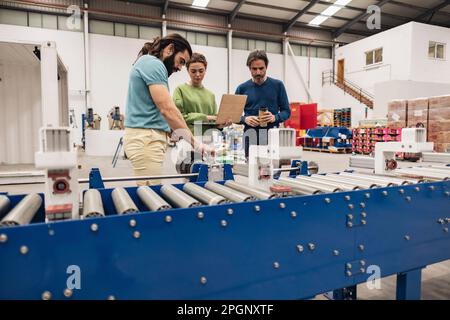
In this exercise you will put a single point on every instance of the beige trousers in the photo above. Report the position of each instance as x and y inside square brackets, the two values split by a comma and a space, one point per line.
[146, 148]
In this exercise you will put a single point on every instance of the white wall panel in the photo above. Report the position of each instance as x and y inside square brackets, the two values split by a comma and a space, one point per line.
[20, 106]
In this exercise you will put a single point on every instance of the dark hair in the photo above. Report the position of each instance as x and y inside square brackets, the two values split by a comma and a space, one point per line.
[257, 55]
[157, 45]
[197, 57]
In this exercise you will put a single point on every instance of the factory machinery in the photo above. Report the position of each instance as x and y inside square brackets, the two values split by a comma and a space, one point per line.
[287, 237]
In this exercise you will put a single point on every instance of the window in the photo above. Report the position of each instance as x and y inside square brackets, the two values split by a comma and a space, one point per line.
[149, 33]
[14, 17]
[49, 21]
[240, 44]
[436, 50]
[217, 41]
[374, 56]
[131, 31]
[101, 27]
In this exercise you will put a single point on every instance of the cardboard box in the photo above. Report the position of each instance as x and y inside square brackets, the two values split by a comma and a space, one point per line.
[442, 147]
[397, 113]
[417, 112]
[440, 102]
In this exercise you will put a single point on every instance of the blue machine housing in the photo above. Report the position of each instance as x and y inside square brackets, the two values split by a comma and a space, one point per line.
[286, 248]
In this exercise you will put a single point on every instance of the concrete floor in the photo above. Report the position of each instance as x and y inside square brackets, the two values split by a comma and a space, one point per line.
[435, 278]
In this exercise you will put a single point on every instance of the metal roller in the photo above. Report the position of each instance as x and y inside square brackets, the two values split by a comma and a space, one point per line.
[434, 170]
[396, 179]
[374, 179]
[296, 186]
[23, 212]
[4, 205]
[178, 197]
[422, 173]
[441, 167]
[204, 195]
[230, 194]
[93, 204]
[362, 183]
[152, 200]
[351, 182]
[342, 185]
[259, 194]
[324, 187]
[387, 179]
[123, 202]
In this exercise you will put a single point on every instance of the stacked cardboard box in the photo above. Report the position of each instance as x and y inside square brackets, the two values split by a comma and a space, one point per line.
[397, 113]
[431, 113]
[439, 123]
[417, 114]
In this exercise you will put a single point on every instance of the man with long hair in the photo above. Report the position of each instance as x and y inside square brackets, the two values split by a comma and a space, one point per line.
[150, 111]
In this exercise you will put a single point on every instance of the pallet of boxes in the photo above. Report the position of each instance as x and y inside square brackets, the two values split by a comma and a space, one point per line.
[431, 113]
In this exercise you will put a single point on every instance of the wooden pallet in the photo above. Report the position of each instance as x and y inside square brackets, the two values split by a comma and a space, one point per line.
[338, 150]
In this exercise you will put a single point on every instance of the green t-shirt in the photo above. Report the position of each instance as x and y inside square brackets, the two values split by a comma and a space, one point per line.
[141, 111]
[194, 104]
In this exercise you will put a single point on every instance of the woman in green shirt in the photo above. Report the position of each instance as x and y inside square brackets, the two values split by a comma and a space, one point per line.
[195, 102]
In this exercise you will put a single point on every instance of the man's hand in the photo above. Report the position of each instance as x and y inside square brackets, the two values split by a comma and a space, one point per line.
[252, 121]
[211, 118]
[226, 124]
[268, 117]
[205, 149]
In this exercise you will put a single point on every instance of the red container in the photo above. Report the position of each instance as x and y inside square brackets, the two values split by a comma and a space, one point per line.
[303, 116]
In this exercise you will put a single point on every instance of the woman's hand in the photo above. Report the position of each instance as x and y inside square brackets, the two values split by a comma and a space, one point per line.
[211, 118]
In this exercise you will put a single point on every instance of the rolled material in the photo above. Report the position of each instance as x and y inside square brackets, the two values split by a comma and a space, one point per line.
[353, 180]
[380, 182]
[204, 195]
[4, 205]
[123, 202]
[259, 194]
[178, 197]
[296, 186]
[152, 200]
[23, 212]
[93, 204]
[339, 184]
[230, 194]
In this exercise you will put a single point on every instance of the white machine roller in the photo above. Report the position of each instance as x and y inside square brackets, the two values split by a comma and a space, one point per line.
[58, 157]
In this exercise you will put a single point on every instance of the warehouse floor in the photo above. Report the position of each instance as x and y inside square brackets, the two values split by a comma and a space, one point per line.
[436, 278]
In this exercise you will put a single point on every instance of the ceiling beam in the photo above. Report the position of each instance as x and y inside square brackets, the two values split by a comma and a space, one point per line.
[417, 8]
[235, 11]
[165, 6]
[432, 11]
[363, 15]
[291, 23]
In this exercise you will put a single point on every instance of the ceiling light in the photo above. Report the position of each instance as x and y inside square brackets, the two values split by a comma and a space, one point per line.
[329, 12]
[200, 3]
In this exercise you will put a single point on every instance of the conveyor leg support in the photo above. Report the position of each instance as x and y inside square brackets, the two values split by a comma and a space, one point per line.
[409, 285]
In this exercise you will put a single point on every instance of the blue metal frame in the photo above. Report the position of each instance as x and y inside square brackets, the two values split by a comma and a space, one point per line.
[245, 250]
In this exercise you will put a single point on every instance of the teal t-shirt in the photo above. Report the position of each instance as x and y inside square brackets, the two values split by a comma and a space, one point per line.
[141, 111]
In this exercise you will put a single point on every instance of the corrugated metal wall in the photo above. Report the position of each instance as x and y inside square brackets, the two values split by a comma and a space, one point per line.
[254, 26]
[197, 17]
[20, 108]
[310, 33]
